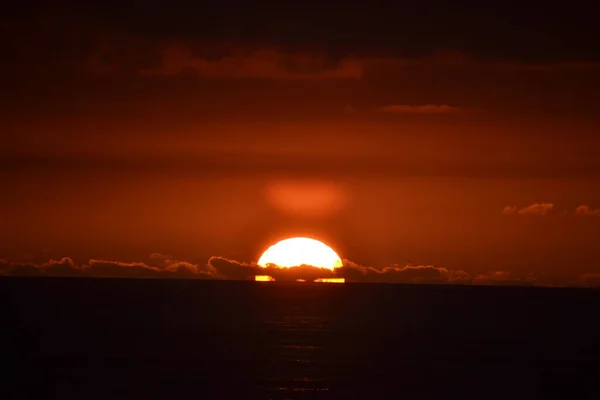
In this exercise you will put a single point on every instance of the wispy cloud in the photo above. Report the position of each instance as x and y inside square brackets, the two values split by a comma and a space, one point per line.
[269, 63]
[587, 211]
[537, 209]
[419, 109]
[533, 209]
[509, 210]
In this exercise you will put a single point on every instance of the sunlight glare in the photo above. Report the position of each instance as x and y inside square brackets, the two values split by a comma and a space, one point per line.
[299, 251]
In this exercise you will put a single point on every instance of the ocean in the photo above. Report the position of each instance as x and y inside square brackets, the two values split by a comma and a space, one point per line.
[171, 339]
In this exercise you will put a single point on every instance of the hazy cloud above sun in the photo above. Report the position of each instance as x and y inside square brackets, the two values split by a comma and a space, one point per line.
[306, 197]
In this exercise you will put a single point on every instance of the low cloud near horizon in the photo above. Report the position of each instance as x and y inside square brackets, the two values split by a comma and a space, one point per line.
[220, 268]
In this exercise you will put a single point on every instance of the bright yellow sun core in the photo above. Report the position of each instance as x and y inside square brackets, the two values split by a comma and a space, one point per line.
[298, 251]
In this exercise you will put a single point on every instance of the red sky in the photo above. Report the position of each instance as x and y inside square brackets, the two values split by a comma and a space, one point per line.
[120, 141]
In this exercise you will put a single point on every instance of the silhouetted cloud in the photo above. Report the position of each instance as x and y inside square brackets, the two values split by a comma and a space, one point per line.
[275, 63]
[419, 109]
[231, 269]
[304, 272]
[504, 278]
[225, 269]
[61, 43]
[462, 61]
[106, 268]
[430, 274]
[268, 63]
[588, 280]
[533, 209]
[587, 211]
[182, 267]
[62, 267]
[44, 38]
[66, 267]
[171, 269]
[353, 272]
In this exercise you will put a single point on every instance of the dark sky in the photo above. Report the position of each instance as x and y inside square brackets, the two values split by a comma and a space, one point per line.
[494, 29]
[458, 136]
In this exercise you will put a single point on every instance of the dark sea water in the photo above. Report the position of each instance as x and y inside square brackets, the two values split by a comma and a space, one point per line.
[171, 339]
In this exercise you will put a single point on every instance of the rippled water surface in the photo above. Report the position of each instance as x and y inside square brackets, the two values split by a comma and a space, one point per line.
[130, 339]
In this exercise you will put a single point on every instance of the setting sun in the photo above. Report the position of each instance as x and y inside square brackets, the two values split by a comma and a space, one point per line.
[300, 251]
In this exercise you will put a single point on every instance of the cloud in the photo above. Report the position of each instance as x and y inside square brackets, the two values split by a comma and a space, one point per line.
[231, 269]
[419, 109]
[236, 270]
[60, 268]
[533, 209]
[266, 63]
[222, 268]
[588, 280]
[171, 269]
[66, 267]
[118, 53]
[504, 278]
[307, 273]
[59, 42]
[353, 272]
[587, 211]
[108, 269]
[509, 210]
[159, 256]
[430, 274]
[460, 60]
[537, 209]
[423, 274]
[559, 66]
[182, 267]
[269, 62]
